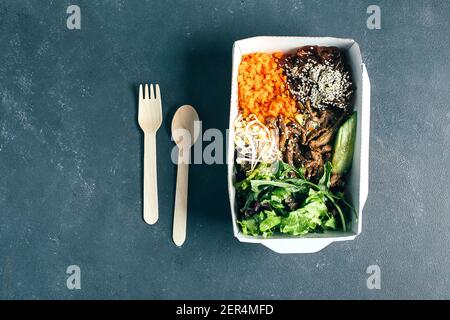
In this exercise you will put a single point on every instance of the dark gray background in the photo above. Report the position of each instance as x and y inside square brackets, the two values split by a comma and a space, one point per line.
[71, 151]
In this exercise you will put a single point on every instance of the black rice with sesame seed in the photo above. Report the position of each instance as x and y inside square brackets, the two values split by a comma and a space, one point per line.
[318, 74]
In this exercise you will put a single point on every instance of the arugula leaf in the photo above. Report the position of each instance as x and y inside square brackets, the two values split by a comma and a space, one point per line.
[258, 183]
[279, 194]
[286, 171]
[249, 201]
[324, 182]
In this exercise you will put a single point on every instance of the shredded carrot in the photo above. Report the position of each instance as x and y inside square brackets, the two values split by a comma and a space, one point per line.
[262, 88]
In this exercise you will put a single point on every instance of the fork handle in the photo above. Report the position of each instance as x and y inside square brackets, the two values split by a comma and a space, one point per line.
[150, 179]
[180, 210]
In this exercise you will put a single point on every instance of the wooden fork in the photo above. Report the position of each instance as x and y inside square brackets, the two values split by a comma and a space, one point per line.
[150, 118]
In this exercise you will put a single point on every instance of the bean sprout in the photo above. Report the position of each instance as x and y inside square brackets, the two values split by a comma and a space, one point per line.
[254, 142]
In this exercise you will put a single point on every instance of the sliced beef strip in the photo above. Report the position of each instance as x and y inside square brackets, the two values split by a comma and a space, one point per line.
[290, 152]
[326, 148]
[314, 165]
[283, 132]
[326, 137]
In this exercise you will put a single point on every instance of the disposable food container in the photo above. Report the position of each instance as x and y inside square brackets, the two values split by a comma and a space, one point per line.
[358, 177]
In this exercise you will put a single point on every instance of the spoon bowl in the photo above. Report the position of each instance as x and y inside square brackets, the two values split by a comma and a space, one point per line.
[183, 122]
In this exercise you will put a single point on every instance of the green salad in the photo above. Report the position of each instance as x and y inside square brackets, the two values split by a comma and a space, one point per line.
[277, 198]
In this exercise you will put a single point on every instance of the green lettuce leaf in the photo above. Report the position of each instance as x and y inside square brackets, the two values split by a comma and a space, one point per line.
[330, 224]
[271, 220]
[249, 226]
[262, 223]
[307, 218]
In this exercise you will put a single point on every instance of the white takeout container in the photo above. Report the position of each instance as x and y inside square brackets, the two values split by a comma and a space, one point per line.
[358, 180]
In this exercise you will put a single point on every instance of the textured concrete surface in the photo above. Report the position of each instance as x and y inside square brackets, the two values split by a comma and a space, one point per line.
[70, 151]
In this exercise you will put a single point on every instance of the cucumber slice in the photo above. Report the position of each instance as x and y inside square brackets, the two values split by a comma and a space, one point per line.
[344, 146]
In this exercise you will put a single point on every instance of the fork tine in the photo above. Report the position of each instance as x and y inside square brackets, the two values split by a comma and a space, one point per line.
[146, 96]
[152, 93]
[157, 93]
[158, 100]
[140, 92]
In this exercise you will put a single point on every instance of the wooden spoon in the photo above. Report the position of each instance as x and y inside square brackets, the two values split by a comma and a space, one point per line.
[184, 135]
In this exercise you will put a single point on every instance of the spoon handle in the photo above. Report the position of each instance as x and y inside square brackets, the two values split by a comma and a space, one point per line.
[150, 179]
[180, 210]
